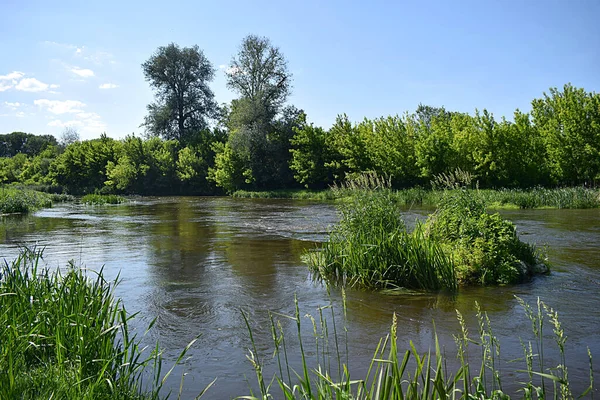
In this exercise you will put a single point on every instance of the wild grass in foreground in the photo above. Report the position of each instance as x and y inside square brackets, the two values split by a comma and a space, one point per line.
[412, 374]
[64, 336]
[22, 200]
[101, 199]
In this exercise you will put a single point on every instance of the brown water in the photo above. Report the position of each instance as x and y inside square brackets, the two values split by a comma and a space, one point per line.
[196, 262]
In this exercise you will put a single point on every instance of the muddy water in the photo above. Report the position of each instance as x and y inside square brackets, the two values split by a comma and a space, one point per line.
[195, 263]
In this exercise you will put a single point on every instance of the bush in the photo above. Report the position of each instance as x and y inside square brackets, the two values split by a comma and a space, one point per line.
[485, 248]
[22, 201]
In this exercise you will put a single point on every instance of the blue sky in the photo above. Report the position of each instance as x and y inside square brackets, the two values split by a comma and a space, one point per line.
[78, 63]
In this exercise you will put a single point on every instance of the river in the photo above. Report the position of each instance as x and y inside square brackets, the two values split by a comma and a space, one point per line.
[196, 262]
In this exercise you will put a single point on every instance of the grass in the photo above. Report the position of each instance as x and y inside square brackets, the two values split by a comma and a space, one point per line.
[299, 194]
[64, 336]
[459, 244]
[22, 200]
[412, 374]
[101, 199]
[371, 247]
[561, 198]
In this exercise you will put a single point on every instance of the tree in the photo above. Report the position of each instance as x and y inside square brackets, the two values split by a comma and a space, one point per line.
[184, 101]
[68, 135]
[257, 151]
[259, 74]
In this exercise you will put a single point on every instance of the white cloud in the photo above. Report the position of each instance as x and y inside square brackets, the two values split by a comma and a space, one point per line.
[60, 107]
[20, 114]
[12, 76]
[31, 85]
[108, 86]
[5, 86]
[222, 66]
[83, 72]
[13, 106]
[54, 86]
[61, 124]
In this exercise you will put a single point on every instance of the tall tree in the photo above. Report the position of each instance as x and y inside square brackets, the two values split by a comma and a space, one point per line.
[257, 151]
[184, 101]
[259, 74]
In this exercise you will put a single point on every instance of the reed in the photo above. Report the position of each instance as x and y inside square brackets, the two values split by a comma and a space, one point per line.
[371, 247]
[324, 372]
[65, 336]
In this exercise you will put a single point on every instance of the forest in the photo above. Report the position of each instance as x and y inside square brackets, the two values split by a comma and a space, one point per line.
[191, 145]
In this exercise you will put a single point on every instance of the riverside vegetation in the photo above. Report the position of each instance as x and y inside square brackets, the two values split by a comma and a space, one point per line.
[65, 336]
[460, 243]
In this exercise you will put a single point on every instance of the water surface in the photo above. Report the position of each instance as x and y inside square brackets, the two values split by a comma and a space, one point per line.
[195, 263]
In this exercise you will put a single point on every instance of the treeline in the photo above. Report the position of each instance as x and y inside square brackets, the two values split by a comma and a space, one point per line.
[192, 145]
[558, 143]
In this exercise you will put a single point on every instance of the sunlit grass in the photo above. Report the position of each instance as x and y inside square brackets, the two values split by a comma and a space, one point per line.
[22, 200]
[65, 336]
[392, 373]
[101, 199]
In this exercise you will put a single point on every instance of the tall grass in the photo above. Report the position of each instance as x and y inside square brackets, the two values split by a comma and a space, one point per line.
[22, 200]
[64, 336]
[371, 247]
[298, 194]
[101, 199]
[413, 374]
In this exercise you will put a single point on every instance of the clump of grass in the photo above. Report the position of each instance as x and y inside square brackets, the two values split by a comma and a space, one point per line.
[22, 200]
[62, 198]
[298, 194]
[371, 247]
[64, 336]
[101, 199]
[411, 374]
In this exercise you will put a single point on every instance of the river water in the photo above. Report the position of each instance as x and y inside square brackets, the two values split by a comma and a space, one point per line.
[195, 263]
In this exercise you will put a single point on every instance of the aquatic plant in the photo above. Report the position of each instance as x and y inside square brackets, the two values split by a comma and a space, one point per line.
[100, 199]
[485, 248]
[371, 247]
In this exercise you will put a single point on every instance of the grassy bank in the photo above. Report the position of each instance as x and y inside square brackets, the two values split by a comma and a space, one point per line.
[412, 374]
[576, 197]
[459, 244]
[64, 336]
[22, 200]
[101, 199]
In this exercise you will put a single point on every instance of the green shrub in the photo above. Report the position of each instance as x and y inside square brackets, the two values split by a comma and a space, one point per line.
[22, 200]
[485, 248]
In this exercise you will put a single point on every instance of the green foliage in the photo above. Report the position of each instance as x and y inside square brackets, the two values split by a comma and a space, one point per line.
[185, 102]
[370, 247]
[82, 166]
[309, 154]
[22, 201]
[24, 143]
[569, 122]
[64, 336]
[101, 199]
[485, 248]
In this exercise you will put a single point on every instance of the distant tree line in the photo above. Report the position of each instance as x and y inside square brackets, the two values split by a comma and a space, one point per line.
[192, 145]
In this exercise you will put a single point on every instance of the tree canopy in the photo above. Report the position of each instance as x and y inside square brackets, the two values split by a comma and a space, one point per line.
[184, 101]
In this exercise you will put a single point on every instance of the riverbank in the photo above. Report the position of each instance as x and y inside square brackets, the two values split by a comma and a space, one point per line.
[536, 198]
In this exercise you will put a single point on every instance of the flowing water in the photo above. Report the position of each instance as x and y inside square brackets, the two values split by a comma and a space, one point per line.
[195, 263]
